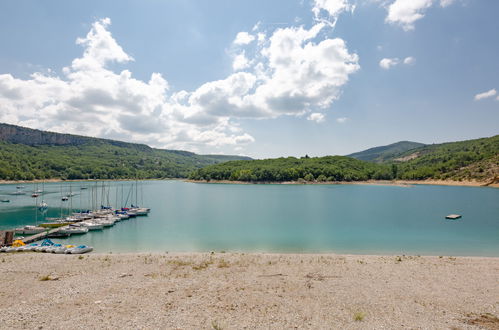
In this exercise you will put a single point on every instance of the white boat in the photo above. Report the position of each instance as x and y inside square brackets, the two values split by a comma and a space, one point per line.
[31, 247]
[29, 230]
[19, 192]
[53, 248]
[105, 222]
[122, 216]
[91, 225]
[73, 230]
[79, 249]
[43, 206]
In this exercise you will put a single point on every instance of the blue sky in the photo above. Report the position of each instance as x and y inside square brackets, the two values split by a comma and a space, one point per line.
[259, 78]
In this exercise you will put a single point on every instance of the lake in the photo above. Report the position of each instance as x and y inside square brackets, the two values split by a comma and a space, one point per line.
[353, 219]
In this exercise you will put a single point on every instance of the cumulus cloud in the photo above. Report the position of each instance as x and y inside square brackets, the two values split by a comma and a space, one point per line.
[243, 38]
[485, 95]
[333, 8]
[387, 63]
[289, 71]
[342, 120]
[240, 62]
[406, 12]
[317, 117]
[409, 60]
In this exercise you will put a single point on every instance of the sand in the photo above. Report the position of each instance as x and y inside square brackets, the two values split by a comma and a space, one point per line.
[247, 291]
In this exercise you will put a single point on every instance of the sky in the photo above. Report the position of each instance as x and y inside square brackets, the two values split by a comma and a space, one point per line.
[258, 78]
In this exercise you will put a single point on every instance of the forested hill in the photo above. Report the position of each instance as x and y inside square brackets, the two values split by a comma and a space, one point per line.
[27, 154]
[467, 160]
[383, 153]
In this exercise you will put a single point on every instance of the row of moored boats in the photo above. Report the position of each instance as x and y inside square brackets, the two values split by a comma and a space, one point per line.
[47, 246]
[85, 221]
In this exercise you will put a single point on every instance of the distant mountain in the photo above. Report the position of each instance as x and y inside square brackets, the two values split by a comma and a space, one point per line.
[385, 153]
[27, 154]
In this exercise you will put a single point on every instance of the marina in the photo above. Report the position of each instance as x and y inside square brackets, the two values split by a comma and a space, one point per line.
[71, 221]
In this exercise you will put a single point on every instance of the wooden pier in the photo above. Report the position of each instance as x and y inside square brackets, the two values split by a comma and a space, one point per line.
[40, 236]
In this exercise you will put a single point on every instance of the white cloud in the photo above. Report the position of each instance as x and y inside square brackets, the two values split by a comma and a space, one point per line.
[409, 60]
[243, 38]
[342, 120]
[240, 62]
[317, 117]
[290, 72]
[388, 63]
[332, 7]
[406, 12]
[485, 95]
[445, 3]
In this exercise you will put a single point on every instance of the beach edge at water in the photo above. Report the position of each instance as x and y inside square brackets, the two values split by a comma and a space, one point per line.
[368, 182]
[252, 290]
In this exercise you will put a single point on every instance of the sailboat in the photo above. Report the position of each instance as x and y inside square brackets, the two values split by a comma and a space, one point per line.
[43, 206]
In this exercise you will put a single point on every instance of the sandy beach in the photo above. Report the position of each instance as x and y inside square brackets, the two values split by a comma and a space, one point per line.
[247, 291]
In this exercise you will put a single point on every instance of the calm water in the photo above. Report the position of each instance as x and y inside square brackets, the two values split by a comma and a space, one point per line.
[364, 219]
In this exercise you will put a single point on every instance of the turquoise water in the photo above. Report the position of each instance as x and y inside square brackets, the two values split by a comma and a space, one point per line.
[358, 219]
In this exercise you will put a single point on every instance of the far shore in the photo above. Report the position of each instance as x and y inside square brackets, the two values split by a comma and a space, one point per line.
[402, 183]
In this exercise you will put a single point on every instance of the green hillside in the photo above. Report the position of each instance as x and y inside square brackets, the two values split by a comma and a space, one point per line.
[27, 154]
[384, 153]
[466, 160]
[330, 168]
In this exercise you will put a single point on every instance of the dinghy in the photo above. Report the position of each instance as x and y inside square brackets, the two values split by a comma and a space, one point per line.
[79, 249]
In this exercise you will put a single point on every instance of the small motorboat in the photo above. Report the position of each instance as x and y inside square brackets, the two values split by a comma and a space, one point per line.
[453, 216]
[65, 198]
[5, 200]
[79, 249]
[34, 195]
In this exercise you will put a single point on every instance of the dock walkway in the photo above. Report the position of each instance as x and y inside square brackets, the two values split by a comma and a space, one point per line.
[40, 236]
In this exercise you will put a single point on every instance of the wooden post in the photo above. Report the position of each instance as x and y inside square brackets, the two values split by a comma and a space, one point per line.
[6, 237]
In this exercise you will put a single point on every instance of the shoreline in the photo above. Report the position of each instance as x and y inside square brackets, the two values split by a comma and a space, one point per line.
[401, 183]
[254, 290]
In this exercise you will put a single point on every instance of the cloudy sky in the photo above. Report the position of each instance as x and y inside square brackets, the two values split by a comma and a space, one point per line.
[260, 78]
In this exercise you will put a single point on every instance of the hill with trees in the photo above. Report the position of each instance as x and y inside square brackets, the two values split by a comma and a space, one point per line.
[473, 160]
[384, 153]
[27, 154]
